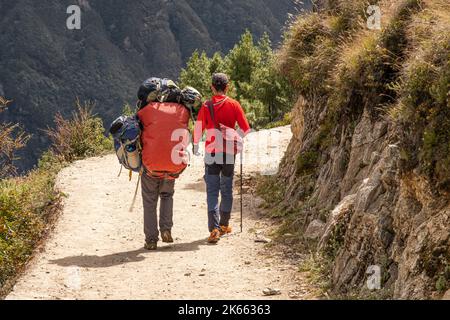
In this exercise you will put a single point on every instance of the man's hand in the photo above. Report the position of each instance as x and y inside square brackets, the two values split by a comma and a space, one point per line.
[195, 150]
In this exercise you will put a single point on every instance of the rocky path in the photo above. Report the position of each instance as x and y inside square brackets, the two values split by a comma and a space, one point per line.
[95, 251]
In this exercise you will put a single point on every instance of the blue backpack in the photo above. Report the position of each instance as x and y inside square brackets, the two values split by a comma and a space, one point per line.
[126, 132]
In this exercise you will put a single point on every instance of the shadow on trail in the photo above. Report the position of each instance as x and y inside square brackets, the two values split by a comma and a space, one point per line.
[196, 186]
[120, 258]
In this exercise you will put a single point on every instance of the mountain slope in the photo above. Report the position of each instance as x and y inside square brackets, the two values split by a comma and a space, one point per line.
[45, 66]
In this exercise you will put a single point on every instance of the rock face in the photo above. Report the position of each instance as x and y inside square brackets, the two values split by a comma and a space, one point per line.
[446, 296]
[377, 216]
[370, 153]
[315, 230]
[45, 66]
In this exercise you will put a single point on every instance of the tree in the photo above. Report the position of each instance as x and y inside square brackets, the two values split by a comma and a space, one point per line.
[197, 73]
[265, 49]
[216, 64]
[12, 139]
[272, 90]
[241, 62]
[255, 81]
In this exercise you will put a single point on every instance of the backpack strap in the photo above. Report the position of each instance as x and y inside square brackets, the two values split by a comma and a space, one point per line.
[162, 174]
[211, 106]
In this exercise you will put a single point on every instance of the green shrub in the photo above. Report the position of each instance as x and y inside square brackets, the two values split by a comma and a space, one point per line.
[441, 284]
[307, 162]
[308, 55]
[27, 203]
[271, 190]
[318, 269]
[423, 110]
[128, 110]
[336, 240]
[286, 121]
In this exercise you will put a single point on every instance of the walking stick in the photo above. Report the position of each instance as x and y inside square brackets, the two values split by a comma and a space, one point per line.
[242, 157]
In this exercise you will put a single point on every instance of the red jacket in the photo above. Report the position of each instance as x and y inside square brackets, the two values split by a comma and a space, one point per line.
[228, 113]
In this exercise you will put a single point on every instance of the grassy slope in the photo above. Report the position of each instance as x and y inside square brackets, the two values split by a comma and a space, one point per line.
[29, 204]
[401, 73]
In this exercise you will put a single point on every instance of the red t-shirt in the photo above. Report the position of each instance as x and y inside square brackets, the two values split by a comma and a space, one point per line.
[229, 113]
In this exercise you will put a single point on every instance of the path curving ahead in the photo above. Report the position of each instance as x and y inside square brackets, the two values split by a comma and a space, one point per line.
[95, 250]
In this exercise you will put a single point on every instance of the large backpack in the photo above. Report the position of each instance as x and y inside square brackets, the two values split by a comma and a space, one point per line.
[126, 133]
[164, 153]
[162, 109]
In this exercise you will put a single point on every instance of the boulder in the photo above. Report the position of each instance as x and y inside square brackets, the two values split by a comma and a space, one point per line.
[446, 296]
[315, 230]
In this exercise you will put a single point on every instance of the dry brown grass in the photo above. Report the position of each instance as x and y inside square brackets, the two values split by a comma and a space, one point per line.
[79, 137]
[12, 139]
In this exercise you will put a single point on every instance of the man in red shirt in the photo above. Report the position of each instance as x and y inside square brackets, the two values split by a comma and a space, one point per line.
[219, 159]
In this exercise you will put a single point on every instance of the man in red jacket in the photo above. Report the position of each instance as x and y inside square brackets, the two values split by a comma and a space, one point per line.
[219, 159]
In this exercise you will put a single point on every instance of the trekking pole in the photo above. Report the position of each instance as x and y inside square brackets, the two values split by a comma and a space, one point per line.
[136, 192]
[242, 157]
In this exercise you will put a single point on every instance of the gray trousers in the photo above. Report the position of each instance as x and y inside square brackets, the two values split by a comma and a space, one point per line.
[152, 190]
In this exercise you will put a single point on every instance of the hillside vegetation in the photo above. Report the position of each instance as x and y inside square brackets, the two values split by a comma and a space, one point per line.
[368, 168]
[265, 96]
[29, 203]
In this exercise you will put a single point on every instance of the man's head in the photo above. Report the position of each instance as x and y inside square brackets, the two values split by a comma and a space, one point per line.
[219, 83]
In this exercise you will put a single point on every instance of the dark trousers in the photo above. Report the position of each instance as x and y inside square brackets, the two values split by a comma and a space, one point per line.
[219, 181]
[152, 190]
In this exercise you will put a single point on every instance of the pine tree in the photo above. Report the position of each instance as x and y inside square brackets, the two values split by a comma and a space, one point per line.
[241, 62]
[255, 82]
[197, 73]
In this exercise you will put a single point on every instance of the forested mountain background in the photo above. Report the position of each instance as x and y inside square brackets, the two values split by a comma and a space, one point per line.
[45, 66]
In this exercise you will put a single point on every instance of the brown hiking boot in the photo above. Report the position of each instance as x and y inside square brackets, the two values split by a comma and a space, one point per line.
[151, 246]
[166, 236]
[214, 237]
[225, 230]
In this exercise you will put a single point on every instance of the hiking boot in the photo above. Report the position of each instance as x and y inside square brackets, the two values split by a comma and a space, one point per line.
[224, 230]
[214, 237]
[166, 236]
[151, 246]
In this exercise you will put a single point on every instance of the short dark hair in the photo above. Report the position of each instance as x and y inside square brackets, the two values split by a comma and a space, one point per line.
[220, 81]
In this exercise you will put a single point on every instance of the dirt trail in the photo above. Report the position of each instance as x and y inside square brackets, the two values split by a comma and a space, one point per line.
[95, 251]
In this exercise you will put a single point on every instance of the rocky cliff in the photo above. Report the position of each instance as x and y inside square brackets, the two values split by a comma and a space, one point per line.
[368, 168]
[45, 66]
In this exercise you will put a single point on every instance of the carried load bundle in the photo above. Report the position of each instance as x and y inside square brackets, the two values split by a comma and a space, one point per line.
[165, 90]
[154, 141]
[158, 90]
[163, 109]
[191, 98]
[126, 133]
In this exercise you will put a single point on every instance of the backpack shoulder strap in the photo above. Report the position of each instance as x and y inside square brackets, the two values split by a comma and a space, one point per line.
[210, 106]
